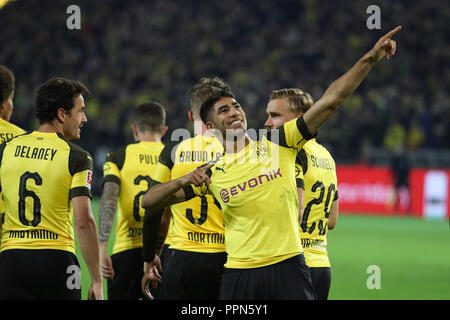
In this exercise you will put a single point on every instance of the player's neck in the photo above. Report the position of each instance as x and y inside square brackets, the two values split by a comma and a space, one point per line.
[51, 127]
[148, 137]
[200, 129]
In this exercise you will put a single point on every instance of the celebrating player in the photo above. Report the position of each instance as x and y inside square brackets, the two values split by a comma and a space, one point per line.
[316, 186]
[198, 242]
[254, 182]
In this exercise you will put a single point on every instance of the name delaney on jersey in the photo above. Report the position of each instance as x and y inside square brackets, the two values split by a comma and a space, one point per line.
[35, 153]
[252, 183]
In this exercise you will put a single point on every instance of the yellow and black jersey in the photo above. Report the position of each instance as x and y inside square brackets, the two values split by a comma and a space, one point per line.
[7, 132]
[197, 223]
[132, 167]
[316, 168]
[39, 174]
[257, 192]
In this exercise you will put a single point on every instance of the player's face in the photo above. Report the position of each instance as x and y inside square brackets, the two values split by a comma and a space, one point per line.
[75, 119]
[278, 113]
[8, 107]
[228, 116]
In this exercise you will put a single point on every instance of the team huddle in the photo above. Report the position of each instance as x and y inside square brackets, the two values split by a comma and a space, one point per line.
[215, 216]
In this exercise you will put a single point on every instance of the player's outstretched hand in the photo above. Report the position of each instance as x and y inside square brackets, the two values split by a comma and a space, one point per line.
[198, 177]
[385, 46]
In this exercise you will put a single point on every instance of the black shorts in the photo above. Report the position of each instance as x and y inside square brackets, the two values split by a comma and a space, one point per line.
[321, 280]
[128, 271]
[289, 279]
[41, 274]
[192, 275]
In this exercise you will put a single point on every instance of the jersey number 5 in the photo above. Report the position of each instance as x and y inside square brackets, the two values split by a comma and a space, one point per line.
[203, 211]
[24, 193]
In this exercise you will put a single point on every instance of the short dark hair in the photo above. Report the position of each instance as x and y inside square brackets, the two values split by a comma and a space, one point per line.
[149, 116]
[57, 93]
[7, 81]
[204, 88]
[209, 103]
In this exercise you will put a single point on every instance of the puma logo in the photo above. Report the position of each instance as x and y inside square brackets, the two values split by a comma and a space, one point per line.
[220, 169]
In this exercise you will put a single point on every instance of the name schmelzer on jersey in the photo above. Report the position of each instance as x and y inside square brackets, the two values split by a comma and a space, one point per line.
[35, 153]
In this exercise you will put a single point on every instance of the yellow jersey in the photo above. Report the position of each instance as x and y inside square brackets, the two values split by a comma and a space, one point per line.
[197, 223]
[39, 174]
[256, 190]
[133, 168]
[7, 132]
[316, 167]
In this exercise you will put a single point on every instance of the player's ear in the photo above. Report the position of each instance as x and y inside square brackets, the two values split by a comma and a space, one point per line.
[164, 130]
[209, 125]
[135, 131]
[61, 115]
[191, 115]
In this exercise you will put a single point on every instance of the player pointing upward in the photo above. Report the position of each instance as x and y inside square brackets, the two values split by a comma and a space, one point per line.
[259, 199]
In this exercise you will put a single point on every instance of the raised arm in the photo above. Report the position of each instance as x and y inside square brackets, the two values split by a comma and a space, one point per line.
[341, 88]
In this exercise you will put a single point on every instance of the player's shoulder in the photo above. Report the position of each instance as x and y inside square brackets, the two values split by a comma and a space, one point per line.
[10, 127]
[75, 149]
[79, 158]
[315, 148]
[117, 155]
[167, 155]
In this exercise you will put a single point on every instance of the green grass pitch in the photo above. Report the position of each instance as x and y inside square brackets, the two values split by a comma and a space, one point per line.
[411, 254]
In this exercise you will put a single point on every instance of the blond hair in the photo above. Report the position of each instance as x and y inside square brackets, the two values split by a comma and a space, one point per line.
[299, 101]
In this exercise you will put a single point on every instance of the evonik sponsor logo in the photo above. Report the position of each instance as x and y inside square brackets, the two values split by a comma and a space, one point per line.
[225, 194]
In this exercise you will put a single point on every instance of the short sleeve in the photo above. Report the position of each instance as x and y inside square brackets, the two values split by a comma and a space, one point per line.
[80, 164]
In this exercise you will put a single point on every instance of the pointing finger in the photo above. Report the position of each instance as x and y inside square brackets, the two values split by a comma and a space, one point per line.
[391, 33]
[207, 166]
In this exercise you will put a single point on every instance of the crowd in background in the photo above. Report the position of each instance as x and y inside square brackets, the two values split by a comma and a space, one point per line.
[128, 52]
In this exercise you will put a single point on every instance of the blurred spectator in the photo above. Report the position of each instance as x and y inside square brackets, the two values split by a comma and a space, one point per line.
[132, 51]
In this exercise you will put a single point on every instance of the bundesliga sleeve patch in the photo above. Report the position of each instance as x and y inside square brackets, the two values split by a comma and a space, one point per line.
[88, 179]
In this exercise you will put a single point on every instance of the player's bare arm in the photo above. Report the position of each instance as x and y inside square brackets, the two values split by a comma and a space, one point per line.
[169, 193]
[86, 231]
[341, 88]
[107, 211]
[334, 214]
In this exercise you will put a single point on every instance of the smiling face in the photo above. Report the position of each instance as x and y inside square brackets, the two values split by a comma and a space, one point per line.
[278, 112]
[74, 119]
[228, 118]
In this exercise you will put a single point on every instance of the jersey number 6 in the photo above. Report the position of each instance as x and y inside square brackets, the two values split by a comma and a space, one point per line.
[24, 193]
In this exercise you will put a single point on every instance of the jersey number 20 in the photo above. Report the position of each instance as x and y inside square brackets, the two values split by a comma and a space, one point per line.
[318, 201]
